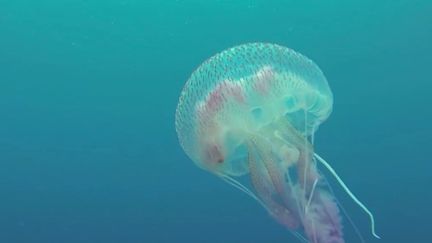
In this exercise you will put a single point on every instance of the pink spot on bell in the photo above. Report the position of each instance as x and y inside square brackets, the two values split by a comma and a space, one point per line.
[263, 80]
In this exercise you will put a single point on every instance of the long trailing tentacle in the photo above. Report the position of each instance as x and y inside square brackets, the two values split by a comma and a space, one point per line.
[357, 231]
[311, 195]
[306, 165]
[348, 191]
[233, 182]
[299, 236]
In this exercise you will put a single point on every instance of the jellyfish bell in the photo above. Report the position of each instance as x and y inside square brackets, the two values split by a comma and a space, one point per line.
[252, 110]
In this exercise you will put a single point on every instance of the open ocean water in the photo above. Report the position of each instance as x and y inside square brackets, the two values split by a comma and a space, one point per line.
[88, 92]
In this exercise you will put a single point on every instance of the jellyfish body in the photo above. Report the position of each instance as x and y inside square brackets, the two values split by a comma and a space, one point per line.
[252, 110]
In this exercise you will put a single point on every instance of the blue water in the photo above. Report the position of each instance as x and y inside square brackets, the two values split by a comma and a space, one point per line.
[88, 91]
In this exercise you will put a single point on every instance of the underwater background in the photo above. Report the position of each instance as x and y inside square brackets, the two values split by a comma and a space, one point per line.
[88, 92]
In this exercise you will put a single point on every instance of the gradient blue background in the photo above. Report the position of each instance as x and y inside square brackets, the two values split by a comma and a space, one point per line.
[88, 91]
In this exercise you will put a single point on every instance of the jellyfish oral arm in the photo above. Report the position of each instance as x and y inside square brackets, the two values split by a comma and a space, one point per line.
[348, 191]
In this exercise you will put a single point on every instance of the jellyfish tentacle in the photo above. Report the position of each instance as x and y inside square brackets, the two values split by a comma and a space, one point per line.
[314, 233]
[311, 195]
[233, 182]
[299, 236]
[306, 164]
[307, 171]
[331, 191]
[348, 191]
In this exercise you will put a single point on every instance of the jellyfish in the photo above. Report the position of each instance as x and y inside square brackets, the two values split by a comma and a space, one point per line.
[251, 112]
